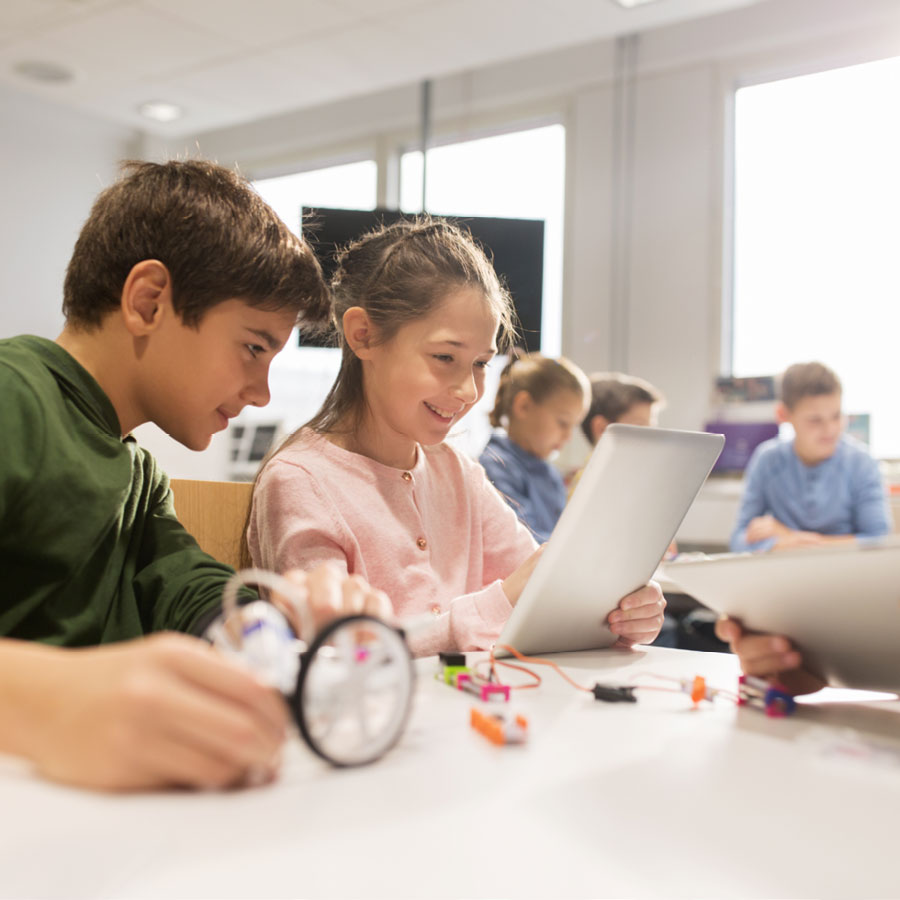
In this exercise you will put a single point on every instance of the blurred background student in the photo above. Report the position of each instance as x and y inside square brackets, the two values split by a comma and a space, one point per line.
[615, 397]
[819, 487]
[540, 401]
[623, 399]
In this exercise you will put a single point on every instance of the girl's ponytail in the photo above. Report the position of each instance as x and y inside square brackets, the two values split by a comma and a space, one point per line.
[540, 376]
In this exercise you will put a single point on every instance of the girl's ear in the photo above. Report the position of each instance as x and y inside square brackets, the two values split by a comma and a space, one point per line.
[359, 331]
[782, 413]
[521, 404]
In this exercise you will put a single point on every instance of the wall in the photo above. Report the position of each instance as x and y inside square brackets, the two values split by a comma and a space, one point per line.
[661, 316]
[52, 164]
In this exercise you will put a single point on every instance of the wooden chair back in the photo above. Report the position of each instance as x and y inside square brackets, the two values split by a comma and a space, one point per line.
[214, 512]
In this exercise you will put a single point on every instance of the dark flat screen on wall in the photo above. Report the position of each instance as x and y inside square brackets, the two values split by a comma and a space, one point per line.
[516, 246]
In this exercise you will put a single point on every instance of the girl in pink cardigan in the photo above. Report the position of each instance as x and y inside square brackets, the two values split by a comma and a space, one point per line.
[369, 482]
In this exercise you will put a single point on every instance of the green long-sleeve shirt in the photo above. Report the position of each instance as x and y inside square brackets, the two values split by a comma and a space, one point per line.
[90, 549]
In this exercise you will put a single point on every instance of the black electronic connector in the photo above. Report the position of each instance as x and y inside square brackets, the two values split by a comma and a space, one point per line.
[612, 694]
[452, 659]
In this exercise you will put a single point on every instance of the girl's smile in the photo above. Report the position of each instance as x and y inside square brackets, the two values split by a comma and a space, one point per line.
[445, 415]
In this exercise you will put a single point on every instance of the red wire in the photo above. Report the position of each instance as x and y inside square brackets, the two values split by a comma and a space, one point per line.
[494, 662]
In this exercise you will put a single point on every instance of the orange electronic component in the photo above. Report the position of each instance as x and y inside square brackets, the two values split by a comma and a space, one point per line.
[698, 689]
[499, 729]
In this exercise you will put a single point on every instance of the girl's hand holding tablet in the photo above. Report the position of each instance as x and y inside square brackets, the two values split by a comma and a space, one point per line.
[639, 616]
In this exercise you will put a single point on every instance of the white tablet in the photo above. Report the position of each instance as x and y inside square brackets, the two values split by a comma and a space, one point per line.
[635, 490]
[840, 605]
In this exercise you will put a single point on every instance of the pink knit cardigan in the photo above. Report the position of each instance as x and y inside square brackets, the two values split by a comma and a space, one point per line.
[437, 538]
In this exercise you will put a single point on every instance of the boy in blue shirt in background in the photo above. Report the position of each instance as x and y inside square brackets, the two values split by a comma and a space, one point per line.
[821, 487]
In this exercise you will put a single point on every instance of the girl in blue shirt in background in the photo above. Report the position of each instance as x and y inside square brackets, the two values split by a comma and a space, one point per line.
[539, 403]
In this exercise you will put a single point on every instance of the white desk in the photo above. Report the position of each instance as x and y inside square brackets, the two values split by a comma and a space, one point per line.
[651, 799]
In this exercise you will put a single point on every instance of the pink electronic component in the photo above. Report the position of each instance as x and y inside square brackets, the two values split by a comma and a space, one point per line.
[484, 690]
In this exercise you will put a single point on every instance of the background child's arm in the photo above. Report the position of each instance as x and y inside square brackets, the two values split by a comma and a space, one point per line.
[753, 506]
[768, 528]
[156, 712]
[871, 513]
[769, 656]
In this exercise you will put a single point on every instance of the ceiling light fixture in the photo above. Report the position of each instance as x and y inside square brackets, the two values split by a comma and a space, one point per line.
[45, 72]
[630, 4]
[161, 111]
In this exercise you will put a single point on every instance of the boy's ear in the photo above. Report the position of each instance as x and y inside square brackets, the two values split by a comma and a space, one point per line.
[782, 413]
[146, 297]
[521, 403]
[359, 331]
[598, 426]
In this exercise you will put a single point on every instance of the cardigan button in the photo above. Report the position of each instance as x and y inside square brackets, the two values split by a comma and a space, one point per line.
[407, 476]
[421, 543]
[436, 610]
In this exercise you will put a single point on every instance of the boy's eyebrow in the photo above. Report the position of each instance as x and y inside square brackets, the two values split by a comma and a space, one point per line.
[266, 338]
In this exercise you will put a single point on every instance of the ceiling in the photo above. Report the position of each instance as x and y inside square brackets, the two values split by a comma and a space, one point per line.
[227, 62]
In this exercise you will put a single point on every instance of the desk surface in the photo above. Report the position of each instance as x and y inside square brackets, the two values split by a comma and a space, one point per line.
[625, 800]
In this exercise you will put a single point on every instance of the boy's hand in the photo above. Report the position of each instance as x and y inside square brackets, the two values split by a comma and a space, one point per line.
[331, 593]
[158, 712]
[639, 616]
[798, 539]
[764, 527]
[768, 656]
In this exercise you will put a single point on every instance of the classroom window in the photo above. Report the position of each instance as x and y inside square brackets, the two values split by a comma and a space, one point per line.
[817, 219]
[519, 175]
[299, 377]
[348, 186]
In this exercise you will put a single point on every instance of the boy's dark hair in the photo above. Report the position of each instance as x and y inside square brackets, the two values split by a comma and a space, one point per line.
[613, 394]
[539, 376]
[812, 379]
[213, 232]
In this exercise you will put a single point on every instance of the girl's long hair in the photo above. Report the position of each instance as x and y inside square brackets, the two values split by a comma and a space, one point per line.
[397, 274]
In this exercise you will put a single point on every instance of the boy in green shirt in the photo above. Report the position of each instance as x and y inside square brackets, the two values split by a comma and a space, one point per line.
[182, 287]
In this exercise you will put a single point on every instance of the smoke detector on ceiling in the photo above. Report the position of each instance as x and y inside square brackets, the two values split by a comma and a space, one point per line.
[44, 72]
